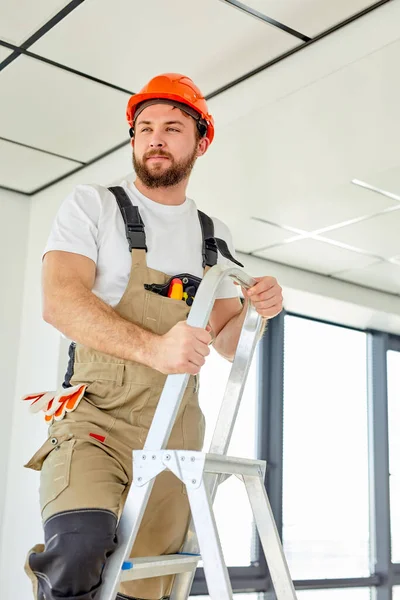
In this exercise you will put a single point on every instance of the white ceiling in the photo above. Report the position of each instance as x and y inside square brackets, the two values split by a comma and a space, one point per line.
[66, 114]
[22, 167]
[289, 141]
[317, 256]
[388, 178]
[310, 17]
[214, 44]
[4, 53]
[295, 156]
[19, 20]
[379, 235]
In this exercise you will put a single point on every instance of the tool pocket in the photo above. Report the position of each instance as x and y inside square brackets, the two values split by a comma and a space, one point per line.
[190, 285]
[53, 459]
[161, 313]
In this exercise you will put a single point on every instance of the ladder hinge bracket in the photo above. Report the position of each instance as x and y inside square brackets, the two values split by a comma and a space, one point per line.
[146, 466]
[187, 465]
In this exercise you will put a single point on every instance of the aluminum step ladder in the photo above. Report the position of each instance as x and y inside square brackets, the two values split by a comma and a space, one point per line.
[201, 473]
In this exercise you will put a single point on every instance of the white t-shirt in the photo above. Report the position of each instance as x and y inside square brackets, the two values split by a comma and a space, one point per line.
[89, 222]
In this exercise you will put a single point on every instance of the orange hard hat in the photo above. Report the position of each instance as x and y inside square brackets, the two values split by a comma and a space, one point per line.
[178, 88]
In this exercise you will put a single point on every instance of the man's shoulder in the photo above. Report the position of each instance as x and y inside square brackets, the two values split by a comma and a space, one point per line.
[89, 194]
[221, 230]
[92, 189]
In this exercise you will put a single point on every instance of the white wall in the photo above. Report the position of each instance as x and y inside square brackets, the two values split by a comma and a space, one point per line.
[38, 367]
[14, 222]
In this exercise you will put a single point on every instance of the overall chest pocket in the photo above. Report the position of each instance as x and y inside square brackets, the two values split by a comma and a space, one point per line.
[161, 313]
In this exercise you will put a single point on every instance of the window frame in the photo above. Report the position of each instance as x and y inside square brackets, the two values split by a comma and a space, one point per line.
[270, 375]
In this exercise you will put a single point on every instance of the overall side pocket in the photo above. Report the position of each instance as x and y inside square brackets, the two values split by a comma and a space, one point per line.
[53, 459]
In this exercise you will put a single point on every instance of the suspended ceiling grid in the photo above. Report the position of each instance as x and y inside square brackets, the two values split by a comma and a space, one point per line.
[67, 69]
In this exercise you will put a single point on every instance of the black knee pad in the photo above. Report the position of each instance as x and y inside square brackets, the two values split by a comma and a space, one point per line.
[77, 544]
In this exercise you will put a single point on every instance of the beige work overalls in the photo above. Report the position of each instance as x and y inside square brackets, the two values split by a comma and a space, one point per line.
[87, 462]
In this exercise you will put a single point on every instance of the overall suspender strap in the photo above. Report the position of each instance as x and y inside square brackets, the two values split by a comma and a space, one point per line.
[211, 244]
[135, 234]
[134, 226]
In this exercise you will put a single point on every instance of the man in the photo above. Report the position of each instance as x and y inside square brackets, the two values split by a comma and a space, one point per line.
[128, 335]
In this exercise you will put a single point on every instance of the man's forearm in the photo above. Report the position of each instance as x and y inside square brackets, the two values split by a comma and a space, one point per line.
[83, 317]
[227, 340]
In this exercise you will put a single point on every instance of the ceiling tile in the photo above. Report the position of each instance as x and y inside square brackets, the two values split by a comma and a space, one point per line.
[380, 276]
[249, 235]
[292, 161]
[310, 17]
[276, 183]
[379, 236]
[317, 256]
[314, 211]
[213, 45]
[388, 180]
[19, 20]
[65, 114]
[4, 52]
[25, 169]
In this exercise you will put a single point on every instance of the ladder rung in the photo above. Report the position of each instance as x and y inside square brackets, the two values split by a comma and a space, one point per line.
[154, 566]
[220, 463]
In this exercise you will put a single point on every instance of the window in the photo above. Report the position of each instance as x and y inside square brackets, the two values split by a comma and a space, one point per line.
[232, 509]
[250, 596]
[396, 593]
[393, 370]
[340, 594]
[325, 453]
[319, 385]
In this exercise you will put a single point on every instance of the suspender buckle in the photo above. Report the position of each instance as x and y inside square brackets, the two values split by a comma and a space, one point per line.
[210, 254]
[136, 236]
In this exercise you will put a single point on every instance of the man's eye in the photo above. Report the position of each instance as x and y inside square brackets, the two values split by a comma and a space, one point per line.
[145, 129]
[172, 129]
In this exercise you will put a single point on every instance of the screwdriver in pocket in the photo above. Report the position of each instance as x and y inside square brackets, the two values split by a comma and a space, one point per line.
[175, 290]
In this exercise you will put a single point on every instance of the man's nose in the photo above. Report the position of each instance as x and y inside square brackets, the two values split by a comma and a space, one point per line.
[156, 142]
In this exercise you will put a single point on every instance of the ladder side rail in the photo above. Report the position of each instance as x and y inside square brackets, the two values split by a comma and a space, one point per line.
[127, 530]
[175, 385]
[236, 383]
[218, 582]
[223, 429]
[269, 536]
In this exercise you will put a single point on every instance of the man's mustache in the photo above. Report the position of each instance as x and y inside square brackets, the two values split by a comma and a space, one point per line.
[156, 153]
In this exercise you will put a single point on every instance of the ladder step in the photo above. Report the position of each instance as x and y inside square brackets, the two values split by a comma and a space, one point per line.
[154, 566]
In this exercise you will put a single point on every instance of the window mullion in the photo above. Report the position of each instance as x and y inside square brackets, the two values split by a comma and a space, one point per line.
[378, 442]
[270, 417]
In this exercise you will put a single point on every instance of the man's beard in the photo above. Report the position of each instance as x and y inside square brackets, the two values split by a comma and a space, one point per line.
[174, 174]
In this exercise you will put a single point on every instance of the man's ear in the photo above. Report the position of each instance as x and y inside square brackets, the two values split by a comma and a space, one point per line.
[132, 135]
[203, 146]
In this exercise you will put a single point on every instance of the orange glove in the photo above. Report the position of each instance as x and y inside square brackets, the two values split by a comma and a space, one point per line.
[56, 404]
